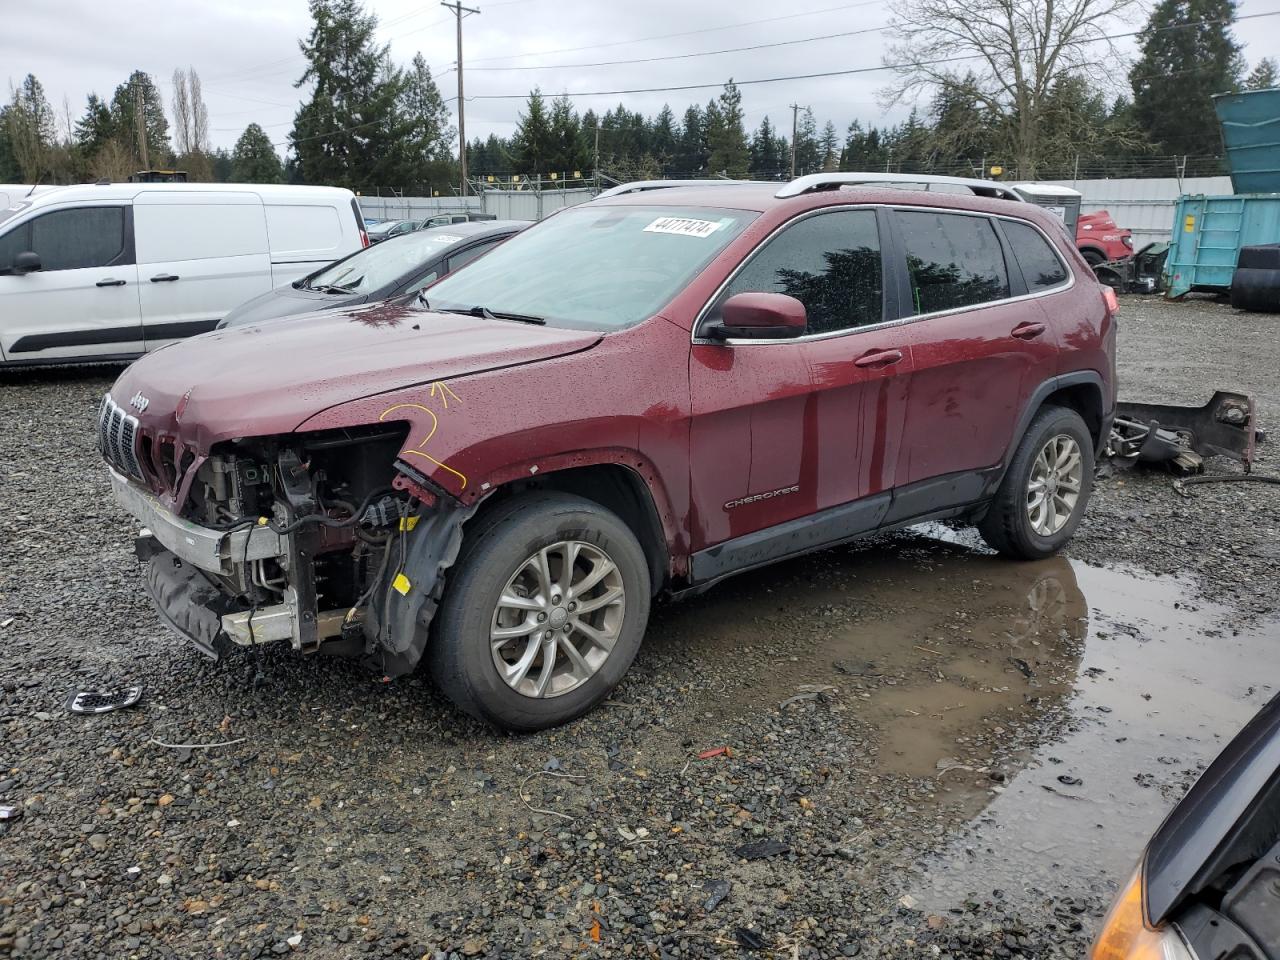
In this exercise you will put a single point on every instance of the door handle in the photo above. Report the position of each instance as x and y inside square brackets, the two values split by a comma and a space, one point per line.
[164, 278]
[1027, 331]
[109, 283]
[878, 358]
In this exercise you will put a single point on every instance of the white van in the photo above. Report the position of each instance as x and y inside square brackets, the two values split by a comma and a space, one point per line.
[107, 272]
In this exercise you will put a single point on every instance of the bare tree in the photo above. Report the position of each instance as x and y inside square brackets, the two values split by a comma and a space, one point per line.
[1007, 54]
[181, 113]
[190, 114]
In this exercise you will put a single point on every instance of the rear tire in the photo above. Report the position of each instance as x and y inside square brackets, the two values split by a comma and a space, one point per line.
[1045, 490]
[544, 614]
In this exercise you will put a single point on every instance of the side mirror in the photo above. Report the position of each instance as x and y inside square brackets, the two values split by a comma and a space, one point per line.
[26, 262]
[760, 316]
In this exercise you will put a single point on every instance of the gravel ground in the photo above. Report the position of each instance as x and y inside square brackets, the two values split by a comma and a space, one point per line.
[874, 700]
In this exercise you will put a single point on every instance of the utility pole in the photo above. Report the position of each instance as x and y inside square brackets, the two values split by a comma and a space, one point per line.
[140, 123]
[458, 11]
[795, 120]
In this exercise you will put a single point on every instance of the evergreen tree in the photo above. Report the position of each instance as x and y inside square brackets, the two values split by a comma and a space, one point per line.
[1263, 76]
[663, 136]
[254, 159]
[221, 163]
[767, 161]
[691, 146]
[136, 107]
[830, 147]
[95, 128]
[726, 138]
[427, 148]
[531, 147]
[808, 156]
[351, 129]
[1180, 69]
[568, 152]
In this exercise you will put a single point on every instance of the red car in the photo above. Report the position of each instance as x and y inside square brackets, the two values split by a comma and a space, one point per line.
[637, 397]
[1100, 240]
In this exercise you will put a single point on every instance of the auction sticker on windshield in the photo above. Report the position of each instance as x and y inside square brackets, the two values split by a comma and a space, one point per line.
[445, 238]
[684, 227]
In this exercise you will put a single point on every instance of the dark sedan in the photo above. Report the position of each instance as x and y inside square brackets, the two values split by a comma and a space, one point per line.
[1208, 885]
[396, 268]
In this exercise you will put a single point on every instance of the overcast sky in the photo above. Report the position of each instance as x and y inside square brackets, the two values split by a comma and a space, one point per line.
[246, 53]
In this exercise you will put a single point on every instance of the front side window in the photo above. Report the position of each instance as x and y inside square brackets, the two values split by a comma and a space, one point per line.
[1041, 267]
[596, 266]
[69, 239]
[16, 241]
[954, 260]
[830, 263]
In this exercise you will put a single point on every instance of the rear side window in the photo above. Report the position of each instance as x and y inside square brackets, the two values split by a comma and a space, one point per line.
[304, 232]
[954, 261]
[830, 263]
[70, 239]
[460, 259]
[198, 231]
[1041, 267]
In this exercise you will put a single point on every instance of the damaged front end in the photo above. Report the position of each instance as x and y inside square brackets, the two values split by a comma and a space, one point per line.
[325, 540]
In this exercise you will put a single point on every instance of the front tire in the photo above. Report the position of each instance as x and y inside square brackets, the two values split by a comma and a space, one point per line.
[1045, 490]
[544, 613]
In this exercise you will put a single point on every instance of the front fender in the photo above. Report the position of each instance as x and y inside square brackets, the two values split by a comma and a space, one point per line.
[625, 402]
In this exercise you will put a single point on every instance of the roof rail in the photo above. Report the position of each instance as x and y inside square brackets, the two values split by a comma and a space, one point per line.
[834, 181]
[640, 186]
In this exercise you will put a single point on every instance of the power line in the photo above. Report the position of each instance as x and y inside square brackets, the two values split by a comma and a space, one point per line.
[860, 70]
[683, 33]
[686, 56]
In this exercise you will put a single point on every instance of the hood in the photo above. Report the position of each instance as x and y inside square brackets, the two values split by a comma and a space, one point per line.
[285, 301]
[269, 379]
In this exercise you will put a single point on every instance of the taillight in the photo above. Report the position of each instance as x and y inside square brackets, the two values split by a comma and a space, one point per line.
[1111, 300]
[364, 239]
[1125, 934]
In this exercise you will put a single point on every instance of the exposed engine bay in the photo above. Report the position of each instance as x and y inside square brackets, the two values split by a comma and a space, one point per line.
[323, 539]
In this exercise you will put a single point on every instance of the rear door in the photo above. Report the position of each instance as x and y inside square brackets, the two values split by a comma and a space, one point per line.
[980, 346]
[199, 256]
[83, 302]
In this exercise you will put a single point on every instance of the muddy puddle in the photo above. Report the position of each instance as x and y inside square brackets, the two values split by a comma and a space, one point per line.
[1060, 709]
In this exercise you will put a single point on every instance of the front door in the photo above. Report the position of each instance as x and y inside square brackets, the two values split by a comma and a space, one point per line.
[794, 442]
[83, 301]
[976, 350]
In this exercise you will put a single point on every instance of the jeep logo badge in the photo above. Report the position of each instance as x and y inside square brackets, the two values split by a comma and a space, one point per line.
[139, 402]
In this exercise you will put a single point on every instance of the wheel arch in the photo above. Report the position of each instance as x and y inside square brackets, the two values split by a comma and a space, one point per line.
[1081, 391]
[621, 488]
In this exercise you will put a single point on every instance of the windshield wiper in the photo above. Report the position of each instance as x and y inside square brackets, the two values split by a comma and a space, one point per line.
[332, 288]
[487, 314]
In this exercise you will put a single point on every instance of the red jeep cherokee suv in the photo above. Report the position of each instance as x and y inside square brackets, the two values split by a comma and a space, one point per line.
[638, 396]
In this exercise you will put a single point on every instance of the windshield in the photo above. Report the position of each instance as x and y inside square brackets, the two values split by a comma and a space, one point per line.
[594, 267]
[375, 267]
[13, 211]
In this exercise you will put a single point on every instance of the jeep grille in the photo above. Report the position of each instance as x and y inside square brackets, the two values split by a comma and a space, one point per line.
[118, 439]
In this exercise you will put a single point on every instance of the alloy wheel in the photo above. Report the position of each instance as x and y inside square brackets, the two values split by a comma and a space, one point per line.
[1054, 487]
[557, 619]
